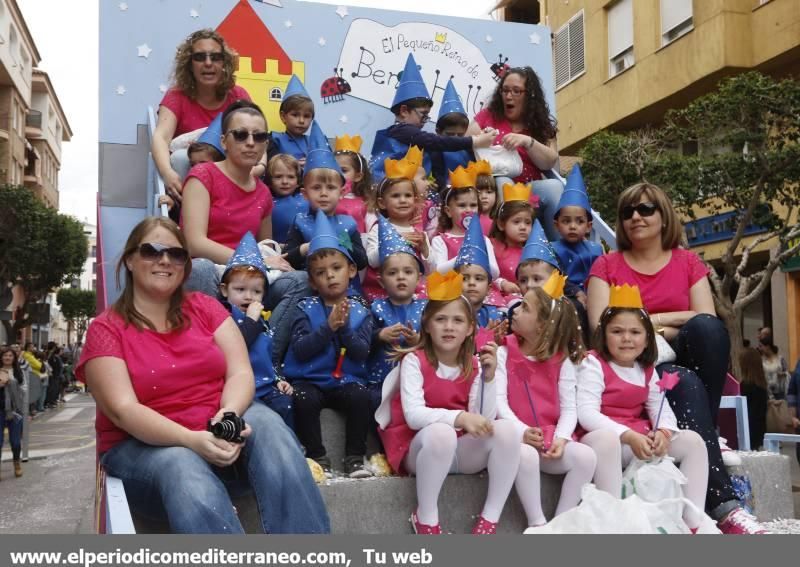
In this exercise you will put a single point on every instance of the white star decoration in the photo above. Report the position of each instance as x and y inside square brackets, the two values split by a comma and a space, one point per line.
[489, 39]
[162, 88]
[321, 41]
[341, 11]
[123, 6]
[343, 119]
[288, 23]
[194, 13]
[121, 90]
[535, 38]
[144, 50]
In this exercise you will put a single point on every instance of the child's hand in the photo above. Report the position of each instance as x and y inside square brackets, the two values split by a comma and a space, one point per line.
[474, 424]
[508, 287]
[483, 140]
[411, 336]
[284, 387]
[660, 443]
[392, 334]
[512, 141]
[534, 437]
[499, 328]
[166, 200]
[556, 449]
[415, 239]
[641, 445]
[338, 316]
[581, 296]
[254, 310]
[279, 262]
[488, 359]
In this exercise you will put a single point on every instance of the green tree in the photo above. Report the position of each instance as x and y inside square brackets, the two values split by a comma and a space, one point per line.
[78, 306]
[748, 136]
[40, 249]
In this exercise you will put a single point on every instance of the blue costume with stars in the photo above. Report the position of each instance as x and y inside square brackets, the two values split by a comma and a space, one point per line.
[284, 211]
[577, 259]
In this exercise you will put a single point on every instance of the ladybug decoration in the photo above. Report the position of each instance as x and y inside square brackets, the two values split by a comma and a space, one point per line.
[334, 88]
[500, 68]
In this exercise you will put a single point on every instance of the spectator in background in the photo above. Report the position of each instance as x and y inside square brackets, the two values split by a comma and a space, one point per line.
[754, 388]
[56, 376]
[776, 371]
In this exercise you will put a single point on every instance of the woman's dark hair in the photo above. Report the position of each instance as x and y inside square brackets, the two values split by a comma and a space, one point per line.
[124, 306]
[243, 106]
[752, 368]
[538, 120]
[18, 374]
[649, 354]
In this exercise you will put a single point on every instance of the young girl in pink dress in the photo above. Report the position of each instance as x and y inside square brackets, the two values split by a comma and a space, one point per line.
[487, 194]
[440, 420]
[536, 390]
[510, 231]
[358, 180]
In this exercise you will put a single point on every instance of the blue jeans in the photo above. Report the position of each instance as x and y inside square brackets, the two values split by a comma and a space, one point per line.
[549, 192]
[14, 426]
[177, 484]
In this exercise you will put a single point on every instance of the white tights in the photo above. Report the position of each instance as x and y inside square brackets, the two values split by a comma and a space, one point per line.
[687, 448]
[578, 462]
[436, 450]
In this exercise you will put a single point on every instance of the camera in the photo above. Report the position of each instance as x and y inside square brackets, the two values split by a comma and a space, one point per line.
[228, 428]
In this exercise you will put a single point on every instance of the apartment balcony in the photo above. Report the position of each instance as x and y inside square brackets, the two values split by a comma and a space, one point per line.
[33, 124]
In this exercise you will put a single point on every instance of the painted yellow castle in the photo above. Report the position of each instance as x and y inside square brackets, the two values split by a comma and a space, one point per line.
[267, 88]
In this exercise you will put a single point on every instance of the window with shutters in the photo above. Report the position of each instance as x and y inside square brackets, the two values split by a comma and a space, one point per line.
[676, 19]
[620, 37]
[570, 59]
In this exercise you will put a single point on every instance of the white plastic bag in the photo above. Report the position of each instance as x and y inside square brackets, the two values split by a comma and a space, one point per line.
[270, 248]
[653, 480]
[506, 163]
[665, 352]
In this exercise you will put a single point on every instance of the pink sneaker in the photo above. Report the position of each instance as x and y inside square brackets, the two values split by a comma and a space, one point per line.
[484, 527]
[741, 522]
[424, 529]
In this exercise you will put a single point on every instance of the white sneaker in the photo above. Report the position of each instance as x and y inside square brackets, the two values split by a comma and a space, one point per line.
[730, 458]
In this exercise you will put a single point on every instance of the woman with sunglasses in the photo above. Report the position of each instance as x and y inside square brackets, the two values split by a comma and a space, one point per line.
[676, 293]
[203, 86]
[519, 111]
[161, 363]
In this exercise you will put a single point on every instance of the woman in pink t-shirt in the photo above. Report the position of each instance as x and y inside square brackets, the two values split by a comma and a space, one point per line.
[162, 365]
[676, 293]
[519, 112]
[204, 85]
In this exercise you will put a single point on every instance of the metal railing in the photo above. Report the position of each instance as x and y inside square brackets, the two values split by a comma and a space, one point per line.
[155, 185]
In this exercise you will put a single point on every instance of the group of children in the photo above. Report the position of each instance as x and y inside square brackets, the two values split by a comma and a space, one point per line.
[443, 316]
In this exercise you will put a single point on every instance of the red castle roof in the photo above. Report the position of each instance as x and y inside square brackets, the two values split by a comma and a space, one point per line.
[247, 34]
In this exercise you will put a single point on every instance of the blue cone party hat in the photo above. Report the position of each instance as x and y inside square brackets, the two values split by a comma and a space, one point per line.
[390, 242]
[574, 194]
[411, 84]
[213, 134]
[325, 237]
[319, 154]
[451, 102]
[247, 254]
[538, 247]
[295, 88]
[473, 249]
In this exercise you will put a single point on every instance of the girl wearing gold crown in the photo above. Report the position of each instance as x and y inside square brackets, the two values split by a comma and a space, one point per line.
[437, 410]
[620, 402]
[536, 391]
[510, 231]
[357, 189]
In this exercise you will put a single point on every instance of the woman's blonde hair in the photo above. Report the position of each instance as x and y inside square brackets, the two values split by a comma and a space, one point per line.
[561, 328]
[182, 75]
[465, 353]
[124, 306]
[671, 229]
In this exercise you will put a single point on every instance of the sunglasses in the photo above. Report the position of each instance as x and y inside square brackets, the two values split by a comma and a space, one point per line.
[201, 56]
[153, 251]
[644, 210]
[241, 135]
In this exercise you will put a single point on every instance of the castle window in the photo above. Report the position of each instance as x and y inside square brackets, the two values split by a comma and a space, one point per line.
[275, 94]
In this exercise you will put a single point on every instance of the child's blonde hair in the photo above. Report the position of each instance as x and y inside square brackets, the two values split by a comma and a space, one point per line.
[505, 212]
[323, 175]
[290, 162]
[561, 330]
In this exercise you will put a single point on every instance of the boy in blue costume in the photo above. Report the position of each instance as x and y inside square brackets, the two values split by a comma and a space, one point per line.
[537, 261]
[327, 359]
[452, 121]
[397, 317]
[411, 107]
[297, 114]
[473, 264]
[242, 289]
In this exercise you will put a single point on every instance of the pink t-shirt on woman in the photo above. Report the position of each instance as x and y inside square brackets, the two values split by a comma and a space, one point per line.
[178, 374]
[232, 210]
[486, 119]
[663, 292]
[191, 115]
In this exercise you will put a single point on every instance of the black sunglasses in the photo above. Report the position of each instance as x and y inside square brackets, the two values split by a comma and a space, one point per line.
[153, 251]
[241, 135]
[201, 56]
[644, 210]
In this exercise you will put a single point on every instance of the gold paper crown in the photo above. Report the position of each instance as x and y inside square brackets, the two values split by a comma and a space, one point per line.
[516, 192]
[481, 167]
[445, 287]
[440, 37]
[347, 144]
[461, 178]
[554, 286]
[400, 168]
[625, 296]
[414, 155]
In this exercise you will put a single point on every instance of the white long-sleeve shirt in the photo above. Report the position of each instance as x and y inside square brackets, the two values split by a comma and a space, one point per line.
[373, 246]
[443, 263]
[567, 396]
[412, 397]
[591, 386]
